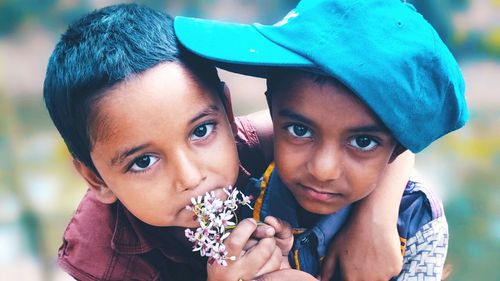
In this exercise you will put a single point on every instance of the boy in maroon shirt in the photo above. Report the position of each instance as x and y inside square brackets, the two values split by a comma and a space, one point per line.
[150, 126]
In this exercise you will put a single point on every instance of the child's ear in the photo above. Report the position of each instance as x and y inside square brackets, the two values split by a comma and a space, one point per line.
[95, 183]
[229, 107]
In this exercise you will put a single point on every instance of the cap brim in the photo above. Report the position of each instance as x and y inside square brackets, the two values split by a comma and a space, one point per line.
[235, 47]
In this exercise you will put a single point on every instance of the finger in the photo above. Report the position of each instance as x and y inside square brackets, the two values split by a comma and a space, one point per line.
[236, 241]
[257, 256]
[263, 231]
[328, 266]
[273, 264]
[260, 254]
[284, 235]
[250, 244]
[282, 228]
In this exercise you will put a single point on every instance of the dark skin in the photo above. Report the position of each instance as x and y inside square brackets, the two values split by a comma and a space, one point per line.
[330, 149]
[150, 147]
[140, 168]
[330, 161]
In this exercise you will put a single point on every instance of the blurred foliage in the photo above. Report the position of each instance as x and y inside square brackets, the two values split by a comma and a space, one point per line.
[433, 12]
[474, 244]
[50, 13]
[463, 44]
[491, 42]
[56, 15]
[471, 181]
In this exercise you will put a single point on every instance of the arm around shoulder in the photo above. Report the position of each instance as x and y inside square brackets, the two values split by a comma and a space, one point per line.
[425, 252]
[261, 121]
[425, 229]
[368, 246]
[254, 139]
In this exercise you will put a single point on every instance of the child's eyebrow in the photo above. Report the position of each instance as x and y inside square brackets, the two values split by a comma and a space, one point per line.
[212, 109]
[121, 155]
[369, 129]
[293, 115]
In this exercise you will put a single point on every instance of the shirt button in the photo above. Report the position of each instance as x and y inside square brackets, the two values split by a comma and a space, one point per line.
[304, 240]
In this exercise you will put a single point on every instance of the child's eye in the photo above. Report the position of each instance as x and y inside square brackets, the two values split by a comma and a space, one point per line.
[202, 131]
[299, 131]
[364, 143]
[142, 163]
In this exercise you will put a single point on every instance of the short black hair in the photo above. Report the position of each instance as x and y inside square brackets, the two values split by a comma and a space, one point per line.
[278, 77]
[98, 51]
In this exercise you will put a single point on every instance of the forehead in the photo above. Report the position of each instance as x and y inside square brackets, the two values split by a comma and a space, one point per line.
[321, 100]
[164, 95]
[301, 88]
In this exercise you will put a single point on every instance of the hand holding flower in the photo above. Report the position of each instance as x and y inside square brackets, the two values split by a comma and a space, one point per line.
[249, 250]
[263, 257]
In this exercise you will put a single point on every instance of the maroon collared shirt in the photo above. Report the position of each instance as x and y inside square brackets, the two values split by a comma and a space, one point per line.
[107, 242]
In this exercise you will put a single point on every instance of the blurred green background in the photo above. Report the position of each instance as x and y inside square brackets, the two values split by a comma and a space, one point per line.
[39, 189]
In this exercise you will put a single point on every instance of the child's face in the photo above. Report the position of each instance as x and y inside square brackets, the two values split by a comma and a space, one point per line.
[329, 148]
[159, 140]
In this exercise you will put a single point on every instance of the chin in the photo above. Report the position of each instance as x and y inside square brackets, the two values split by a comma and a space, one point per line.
[181, 223]
[322, 211]
[318, 210]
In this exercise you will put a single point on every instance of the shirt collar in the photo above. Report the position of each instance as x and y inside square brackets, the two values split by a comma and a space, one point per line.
[132, 236]
[328, 226]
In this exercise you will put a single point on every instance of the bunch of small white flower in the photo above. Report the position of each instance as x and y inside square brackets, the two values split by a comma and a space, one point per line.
[214, 217]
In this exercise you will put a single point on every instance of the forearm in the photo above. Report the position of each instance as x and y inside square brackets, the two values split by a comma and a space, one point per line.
[261, 120]
[382, 205]
[368, 247]
[254, 141]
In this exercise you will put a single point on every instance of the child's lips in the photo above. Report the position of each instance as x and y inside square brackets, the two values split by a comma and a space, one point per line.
[319, 194]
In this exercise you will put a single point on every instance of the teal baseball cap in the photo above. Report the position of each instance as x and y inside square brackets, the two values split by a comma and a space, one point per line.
[384, 51]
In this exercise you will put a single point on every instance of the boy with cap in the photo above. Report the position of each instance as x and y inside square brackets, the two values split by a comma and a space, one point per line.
[351, 84]
[149, 126]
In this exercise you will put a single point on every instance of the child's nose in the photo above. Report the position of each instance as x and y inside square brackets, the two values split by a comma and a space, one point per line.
[325, 164]
[187, 173]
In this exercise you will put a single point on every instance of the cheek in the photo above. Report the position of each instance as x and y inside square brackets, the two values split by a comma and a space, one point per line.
[288, 161]
[147, 197]
[151, 197]
[159, 206]
[150, 207]
[364, 176]
[223, 157]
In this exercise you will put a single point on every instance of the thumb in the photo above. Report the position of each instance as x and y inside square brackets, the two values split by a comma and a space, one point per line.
[329, 266]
